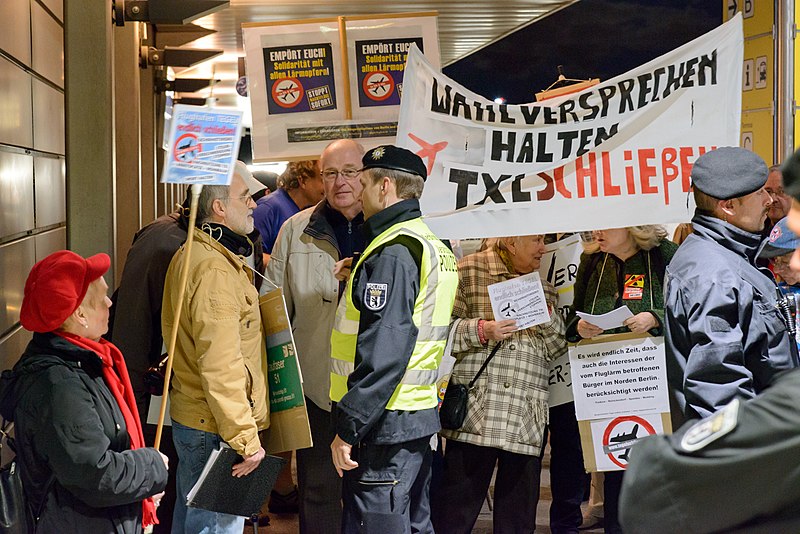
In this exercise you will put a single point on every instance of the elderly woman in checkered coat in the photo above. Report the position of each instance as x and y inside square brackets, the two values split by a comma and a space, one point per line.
[507, 407]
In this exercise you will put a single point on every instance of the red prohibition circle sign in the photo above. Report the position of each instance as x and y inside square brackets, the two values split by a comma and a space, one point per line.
[378, 85]
[625, 419]
[287, 92]
[186, 148]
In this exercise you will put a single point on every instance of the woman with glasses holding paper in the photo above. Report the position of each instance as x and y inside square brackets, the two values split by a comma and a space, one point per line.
[506, 410]
[620, 267]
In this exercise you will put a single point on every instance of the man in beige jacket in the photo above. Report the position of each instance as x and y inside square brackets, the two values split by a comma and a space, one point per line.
[302, 263]
[218, 384]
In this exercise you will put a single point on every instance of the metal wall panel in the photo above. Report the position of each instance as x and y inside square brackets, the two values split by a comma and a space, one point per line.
[16, 260]
[47, 37]
[48, 118]
[15, 105]
[16, 193]
[56, 6]
[11, 348]
[49, 242]
[51, 200]
[15, 39]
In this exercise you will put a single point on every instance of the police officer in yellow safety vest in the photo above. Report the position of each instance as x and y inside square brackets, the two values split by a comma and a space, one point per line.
[388, 339]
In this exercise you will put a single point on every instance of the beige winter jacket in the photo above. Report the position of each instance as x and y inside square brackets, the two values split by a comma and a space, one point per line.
[219, 367]
[303, 266]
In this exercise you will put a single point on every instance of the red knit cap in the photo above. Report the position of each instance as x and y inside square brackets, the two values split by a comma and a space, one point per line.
[56, 286]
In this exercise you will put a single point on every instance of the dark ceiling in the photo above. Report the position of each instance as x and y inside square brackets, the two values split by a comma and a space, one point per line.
[591, 39]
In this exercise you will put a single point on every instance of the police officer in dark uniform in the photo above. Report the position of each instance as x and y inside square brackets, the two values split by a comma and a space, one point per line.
[726, 333]
[734, 471]
[390, 332]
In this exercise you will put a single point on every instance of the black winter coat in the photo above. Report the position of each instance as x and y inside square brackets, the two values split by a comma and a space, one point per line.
[69, 429]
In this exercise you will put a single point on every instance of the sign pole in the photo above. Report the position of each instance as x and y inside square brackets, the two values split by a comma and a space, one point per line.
[348, 105]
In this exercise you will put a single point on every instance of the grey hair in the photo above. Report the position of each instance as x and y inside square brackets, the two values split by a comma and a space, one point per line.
[205, 203]
[210, 193]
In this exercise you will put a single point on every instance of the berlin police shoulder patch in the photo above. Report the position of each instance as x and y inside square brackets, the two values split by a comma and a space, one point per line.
[375, 296]
[711, 428]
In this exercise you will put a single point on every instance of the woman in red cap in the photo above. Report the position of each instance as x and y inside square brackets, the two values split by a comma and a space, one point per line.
[79, 440]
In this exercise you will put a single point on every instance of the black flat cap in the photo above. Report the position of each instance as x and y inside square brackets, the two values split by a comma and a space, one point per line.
[729, 172]
[396, 158]
[791, 175]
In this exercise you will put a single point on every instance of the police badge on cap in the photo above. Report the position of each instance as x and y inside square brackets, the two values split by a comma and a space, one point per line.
[375, 296]
[394, 157]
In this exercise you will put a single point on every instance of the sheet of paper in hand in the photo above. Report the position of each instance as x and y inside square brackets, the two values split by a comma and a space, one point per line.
[520, 298]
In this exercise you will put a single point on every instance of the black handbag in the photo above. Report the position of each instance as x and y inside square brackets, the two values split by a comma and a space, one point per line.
[454, 405]
[14, 515]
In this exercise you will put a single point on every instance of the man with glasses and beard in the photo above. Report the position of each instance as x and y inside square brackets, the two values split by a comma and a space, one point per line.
[219, 391]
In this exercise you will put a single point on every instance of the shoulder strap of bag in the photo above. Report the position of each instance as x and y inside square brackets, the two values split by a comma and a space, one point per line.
[485, 363]
[5, 428]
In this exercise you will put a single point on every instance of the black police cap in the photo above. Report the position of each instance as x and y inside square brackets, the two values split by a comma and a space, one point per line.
[729, 172]
[396, 158]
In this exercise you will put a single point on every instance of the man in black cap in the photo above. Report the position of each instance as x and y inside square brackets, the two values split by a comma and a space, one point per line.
[726, 335]
[390, 332]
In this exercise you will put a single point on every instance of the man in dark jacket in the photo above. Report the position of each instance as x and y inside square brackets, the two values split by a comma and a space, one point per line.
[726, 336]
[677, 483]
[387, 342]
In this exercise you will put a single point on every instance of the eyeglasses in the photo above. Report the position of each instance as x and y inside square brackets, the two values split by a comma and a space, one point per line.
[247, 197]
[331, 174]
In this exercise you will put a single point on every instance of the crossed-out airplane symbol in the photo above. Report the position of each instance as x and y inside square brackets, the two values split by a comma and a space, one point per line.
[379, 85]
[287, 92]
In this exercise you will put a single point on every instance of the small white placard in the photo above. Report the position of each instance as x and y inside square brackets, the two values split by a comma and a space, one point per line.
[521, 299]
[607, 321]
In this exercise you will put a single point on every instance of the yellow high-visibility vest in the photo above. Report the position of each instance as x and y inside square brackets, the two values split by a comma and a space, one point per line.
[432, 310]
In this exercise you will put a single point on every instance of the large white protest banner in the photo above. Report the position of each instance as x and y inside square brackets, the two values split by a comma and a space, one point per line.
[616, 154]
[316, 80]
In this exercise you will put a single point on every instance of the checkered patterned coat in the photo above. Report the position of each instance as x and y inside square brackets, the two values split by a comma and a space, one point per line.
[507, 408]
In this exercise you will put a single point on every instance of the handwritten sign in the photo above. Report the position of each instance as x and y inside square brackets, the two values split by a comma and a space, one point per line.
[521, 299]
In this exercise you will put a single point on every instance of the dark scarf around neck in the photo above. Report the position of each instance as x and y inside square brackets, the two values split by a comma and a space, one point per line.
[238, 244]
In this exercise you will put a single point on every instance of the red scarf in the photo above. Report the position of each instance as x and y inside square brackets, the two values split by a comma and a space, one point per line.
[115, 374]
